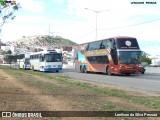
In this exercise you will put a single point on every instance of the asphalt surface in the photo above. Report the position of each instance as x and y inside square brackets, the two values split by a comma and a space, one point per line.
[149, 81]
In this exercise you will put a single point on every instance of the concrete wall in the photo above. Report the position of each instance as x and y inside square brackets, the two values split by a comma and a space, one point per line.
[152, 69]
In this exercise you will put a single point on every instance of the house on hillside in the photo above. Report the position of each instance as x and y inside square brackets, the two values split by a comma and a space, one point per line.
[1, 58]
[67, 54]
[67, 48]
[5, 48]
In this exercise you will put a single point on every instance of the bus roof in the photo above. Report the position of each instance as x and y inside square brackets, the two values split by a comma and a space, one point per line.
[107, 38]
[45, 52]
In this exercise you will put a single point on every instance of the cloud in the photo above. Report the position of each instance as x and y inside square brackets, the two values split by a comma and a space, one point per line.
[34, 6]
[151, 50]
[58, 1]
[9, 34]
[118, 8]
[30, 19]
[121, 13]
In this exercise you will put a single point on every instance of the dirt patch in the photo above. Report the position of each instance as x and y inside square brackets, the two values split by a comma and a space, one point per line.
[18, 89]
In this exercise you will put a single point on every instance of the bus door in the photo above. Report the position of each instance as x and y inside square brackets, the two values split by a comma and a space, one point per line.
[42, 63]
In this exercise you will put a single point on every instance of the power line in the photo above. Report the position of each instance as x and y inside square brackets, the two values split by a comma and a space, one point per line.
[131, 25]
[86, 34]
[120, 27]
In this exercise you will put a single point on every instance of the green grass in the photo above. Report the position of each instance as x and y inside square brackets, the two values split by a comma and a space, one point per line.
[30, 81]
[151, 102]
[110, 106]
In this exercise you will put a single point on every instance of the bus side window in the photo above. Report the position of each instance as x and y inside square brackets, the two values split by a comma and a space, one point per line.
[105, 44]
[113, 44]
[90, 47]
[41, 58]
[110, 43]
[87, 47]
[102, 46]
[94, 45]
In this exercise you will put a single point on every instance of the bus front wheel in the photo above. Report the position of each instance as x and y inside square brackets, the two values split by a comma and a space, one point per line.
[81, 69]
[84, 69]
[128, 74]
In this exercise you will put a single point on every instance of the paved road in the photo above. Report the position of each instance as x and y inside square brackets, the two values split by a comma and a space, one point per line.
[147, 82]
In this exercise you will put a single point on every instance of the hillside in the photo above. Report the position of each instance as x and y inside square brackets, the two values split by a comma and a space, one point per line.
[41, 41]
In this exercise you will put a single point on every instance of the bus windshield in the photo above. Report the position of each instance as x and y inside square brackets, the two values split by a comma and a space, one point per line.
[53, 57]
[27, 60]
[129, 57]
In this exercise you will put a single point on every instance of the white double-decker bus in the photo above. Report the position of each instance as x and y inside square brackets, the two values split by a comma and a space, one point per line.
[49, 60]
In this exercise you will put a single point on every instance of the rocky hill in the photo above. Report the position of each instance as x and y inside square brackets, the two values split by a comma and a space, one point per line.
[41, 41]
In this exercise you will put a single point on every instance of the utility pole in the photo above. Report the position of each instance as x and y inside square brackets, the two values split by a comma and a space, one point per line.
[96, 11]
[49, 31]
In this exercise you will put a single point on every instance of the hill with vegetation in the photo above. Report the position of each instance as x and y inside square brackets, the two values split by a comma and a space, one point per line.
[41, 41]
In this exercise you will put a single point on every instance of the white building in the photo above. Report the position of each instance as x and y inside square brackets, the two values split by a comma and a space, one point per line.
[13, 49]
[5, 48]
[1, 59]
[155, 60]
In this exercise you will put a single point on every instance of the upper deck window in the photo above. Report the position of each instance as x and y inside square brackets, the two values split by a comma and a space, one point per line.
[94, 45]
[110, 43]
[104, 44]
[127, 43]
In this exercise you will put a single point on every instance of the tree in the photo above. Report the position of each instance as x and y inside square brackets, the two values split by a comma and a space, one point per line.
[7, 9]
[9, 52]
[10, 58]
[146, 59]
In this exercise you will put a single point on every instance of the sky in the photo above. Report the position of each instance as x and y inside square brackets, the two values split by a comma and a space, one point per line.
[71, 20]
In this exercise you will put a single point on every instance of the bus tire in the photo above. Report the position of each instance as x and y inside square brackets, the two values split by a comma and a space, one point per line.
[142, 72]
[57, 70]
[108, 71]
[81, 69]
[84, 69]
[128, 74]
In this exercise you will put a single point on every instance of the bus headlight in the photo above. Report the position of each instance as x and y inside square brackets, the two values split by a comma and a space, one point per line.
[121, 66]
[140, 66]
[59, 66]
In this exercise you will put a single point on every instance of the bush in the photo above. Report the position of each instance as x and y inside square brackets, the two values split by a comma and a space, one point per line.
[146, 59]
